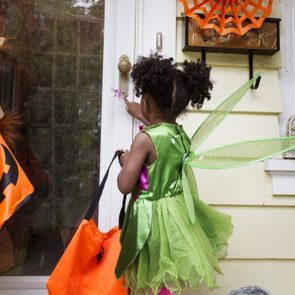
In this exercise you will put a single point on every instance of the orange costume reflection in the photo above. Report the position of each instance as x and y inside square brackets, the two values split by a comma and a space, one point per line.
[14, 184]
[15, 189]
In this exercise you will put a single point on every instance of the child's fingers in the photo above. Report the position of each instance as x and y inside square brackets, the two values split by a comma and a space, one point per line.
[126, 100]
[127, 104]
[122, 151]
[123, 157]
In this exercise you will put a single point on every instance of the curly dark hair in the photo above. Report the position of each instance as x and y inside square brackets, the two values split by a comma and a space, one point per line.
[170, 88]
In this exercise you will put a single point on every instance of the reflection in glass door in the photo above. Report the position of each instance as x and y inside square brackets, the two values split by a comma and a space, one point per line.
[51, 54]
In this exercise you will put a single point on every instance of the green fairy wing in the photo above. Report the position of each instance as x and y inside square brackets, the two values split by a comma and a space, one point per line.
[241, 153]
[217, 115]
[229, 156]
[190, 190]
[238, 154]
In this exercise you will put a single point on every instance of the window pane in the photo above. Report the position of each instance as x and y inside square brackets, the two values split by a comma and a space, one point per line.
[51, 74]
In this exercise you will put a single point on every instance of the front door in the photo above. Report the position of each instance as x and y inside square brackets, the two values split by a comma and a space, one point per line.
[143, 27]
[58, 62]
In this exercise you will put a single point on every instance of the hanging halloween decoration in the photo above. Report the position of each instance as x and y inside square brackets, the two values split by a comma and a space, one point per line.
[228, 16]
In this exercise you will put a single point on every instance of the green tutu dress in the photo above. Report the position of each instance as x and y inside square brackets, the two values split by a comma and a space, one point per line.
[161, 246]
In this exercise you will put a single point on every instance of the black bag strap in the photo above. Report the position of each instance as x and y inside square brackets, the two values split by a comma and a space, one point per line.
[98, 193]
[122, 213]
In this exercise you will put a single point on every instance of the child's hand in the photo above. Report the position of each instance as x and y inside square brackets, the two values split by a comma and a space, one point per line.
[123, 157]
[133, 109]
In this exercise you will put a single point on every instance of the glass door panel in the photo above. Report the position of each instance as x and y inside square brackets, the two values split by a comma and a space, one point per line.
[51, 54]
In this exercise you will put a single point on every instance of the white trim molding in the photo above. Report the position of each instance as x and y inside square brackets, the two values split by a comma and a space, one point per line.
[287, 73]
[283, 176]
[16, 285]
[116, 124]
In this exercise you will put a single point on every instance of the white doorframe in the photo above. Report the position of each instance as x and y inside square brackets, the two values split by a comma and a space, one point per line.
[116, 128]
[156, 17]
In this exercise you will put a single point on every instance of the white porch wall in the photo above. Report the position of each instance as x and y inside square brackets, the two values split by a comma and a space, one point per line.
[261, 250]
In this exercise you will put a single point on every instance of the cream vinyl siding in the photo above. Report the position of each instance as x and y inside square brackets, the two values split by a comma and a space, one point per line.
[262, 248]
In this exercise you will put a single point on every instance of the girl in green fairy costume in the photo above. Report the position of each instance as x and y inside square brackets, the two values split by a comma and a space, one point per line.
[171, 239]
[161, 247]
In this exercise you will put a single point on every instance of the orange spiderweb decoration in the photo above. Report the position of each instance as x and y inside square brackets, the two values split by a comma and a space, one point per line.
[228, 16]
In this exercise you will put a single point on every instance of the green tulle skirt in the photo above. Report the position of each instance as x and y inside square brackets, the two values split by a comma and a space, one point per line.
[179, 254]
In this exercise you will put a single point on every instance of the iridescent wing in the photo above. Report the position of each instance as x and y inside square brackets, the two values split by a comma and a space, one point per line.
[217, 115]
[228, 156]
[241, 153]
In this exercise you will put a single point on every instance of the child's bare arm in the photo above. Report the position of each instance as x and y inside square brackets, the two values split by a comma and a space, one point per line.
[132, 165]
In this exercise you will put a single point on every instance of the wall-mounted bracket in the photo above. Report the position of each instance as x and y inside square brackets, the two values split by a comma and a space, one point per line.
[251, 71]
[251, 68]
[204, 54]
